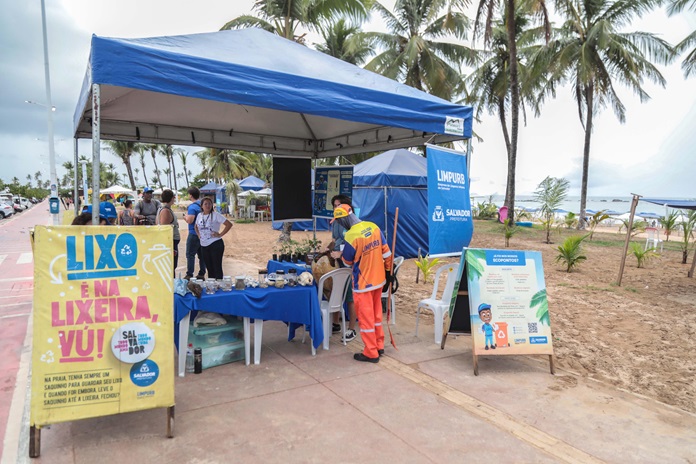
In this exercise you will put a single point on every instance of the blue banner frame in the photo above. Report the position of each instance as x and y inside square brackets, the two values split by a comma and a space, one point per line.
[449, 205]
[328, 182]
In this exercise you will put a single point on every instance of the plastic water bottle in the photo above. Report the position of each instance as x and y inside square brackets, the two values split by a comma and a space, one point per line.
[189, 359]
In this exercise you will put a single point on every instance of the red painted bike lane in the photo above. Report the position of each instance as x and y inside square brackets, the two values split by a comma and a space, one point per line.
[16, 294]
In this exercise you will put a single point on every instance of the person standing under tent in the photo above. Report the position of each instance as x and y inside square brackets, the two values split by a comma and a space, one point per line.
[146, 209]
[366, 250]
[126, 216]
[337, 236]
[193, 243]
[208, 230]
[165, 216]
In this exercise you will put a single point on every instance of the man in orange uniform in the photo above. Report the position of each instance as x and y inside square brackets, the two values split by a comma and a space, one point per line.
[366, 250]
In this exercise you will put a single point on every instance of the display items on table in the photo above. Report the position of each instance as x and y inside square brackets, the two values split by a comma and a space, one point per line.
[280, 279]
[292, 277]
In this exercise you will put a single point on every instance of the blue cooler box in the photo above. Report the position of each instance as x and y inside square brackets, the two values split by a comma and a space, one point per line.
[220, 344]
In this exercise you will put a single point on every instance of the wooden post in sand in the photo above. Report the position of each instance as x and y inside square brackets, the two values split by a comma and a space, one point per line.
[634, 205]
[693, 266]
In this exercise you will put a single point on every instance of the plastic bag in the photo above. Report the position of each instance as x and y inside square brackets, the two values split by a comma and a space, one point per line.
[180, 286]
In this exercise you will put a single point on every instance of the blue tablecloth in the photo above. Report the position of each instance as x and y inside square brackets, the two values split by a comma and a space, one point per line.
[295, 305]
[273, 266]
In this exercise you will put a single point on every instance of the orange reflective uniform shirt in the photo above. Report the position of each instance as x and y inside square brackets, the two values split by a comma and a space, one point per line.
[367, 251]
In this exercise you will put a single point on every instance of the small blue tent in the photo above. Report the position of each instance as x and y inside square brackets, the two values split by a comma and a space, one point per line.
[218, 191]
[396, 178]
[251, 183]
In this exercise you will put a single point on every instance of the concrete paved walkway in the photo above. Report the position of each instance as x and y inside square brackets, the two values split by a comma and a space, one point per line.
[420, 404]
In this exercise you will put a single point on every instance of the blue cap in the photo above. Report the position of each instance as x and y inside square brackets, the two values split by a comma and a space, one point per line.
[106, 211]
[483, 306]
[148, 190]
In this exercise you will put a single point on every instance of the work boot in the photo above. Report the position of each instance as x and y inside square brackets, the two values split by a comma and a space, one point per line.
[363, 358]
[380, 352]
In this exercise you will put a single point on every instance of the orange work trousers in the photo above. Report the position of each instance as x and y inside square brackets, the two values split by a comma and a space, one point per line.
[368, 306]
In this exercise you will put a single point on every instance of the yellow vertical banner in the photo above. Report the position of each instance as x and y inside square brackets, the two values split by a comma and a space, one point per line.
[103, 321]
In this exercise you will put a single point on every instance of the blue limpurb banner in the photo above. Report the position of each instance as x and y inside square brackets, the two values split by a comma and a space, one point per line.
[449, 206]
[329, 182]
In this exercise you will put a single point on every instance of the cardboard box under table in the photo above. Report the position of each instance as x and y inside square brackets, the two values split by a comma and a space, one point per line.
[220, 344]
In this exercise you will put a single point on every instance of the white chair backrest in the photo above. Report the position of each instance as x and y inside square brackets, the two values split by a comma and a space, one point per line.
[449, 285]
[652, 233]
[341, 278]
[398, 261]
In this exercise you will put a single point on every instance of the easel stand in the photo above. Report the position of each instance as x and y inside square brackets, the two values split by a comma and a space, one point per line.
[35, 434]
[476, 372]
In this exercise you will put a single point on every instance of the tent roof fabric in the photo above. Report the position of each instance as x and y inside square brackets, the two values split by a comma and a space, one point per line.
[251, 181]
[394, 168]
[210, 187]
[676, 204]
[252, 90]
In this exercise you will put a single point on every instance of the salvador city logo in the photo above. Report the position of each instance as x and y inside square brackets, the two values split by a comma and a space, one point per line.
[438, 215]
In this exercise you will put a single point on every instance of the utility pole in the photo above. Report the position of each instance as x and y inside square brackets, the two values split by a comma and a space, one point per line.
[53, 198]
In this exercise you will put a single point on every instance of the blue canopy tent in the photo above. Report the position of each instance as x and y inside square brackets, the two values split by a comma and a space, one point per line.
[251, 183]
[255, 91]
[676, 204]
[396, 178]
[218, 191]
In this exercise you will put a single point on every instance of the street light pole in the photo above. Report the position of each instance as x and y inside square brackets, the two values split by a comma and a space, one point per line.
[49, 111]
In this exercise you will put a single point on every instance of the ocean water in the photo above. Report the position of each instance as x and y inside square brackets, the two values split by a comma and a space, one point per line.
[618, 204]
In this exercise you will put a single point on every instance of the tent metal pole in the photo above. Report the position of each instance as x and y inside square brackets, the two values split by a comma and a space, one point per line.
[386, 213]
[634, 204]
[76, 193]
[314, 219]
[96, 147]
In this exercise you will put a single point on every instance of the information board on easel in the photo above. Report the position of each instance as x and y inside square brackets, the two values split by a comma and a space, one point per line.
[459, 321]
[508, 306]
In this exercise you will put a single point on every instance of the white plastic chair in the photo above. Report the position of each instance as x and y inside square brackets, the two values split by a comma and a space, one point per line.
[440, 306]
[398, 261]
[339, 289]
[653, 239]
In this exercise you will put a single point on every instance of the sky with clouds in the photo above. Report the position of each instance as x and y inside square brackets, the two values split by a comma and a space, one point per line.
[653, 153]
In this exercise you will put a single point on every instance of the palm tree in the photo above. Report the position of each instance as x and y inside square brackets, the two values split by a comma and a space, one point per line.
[669, 223]
[487, 9]
[37, 179]
[153, 151]
[182, 156]
[168, 174]
[343, 41]
[292, 18]
[594, 56]
[124, 150]
[413, 50]
[221, 164]
[140, 149]
[689, 63]
[550, 194]
[489, 86]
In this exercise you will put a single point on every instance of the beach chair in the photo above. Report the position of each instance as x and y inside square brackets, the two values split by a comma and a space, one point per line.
[653, 239]
[439, 306]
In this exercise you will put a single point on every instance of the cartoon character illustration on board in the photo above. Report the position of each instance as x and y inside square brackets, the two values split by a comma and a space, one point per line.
[487, 328]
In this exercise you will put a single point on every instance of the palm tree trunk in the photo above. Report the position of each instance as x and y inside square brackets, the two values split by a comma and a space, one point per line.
[142, 163]
[186, 174]
[174, 173]
[129, 170]
[154, 160]
[515, 111]
[589, 101]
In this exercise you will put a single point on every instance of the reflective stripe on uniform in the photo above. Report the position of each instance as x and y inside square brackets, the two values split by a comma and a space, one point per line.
[367, 330]
[378, 324]
[386, 255]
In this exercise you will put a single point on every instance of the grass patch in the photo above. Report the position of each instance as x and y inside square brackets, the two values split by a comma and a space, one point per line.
[631, 289]
[598, 289]
[244, 221]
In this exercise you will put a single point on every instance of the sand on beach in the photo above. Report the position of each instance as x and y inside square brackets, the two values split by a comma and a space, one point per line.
[640, 337]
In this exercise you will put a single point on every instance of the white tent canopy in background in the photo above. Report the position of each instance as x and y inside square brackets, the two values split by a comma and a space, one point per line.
[118, 190]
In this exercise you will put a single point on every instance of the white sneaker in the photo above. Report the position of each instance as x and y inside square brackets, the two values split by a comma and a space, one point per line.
[350, 335]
